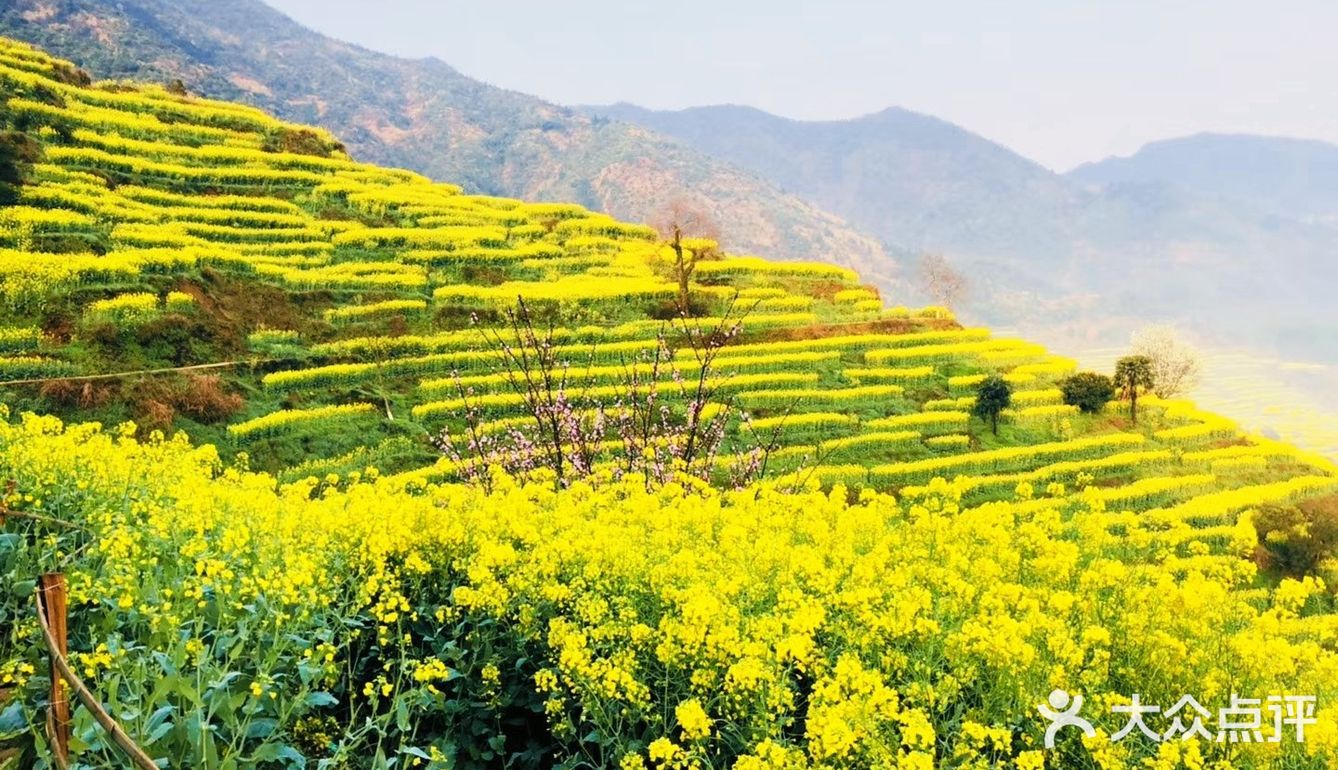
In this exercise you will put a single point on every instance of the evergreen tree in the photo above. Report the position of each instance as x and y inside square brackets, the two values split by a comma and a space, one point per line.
[1088, 391]
[992, 397]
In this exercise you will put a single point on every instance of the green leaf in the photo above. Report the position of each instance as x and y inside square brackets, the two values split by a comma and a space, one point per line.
[261, 728]
[165, 663]
[12, 720]
[225, 680]
[308, 671]
[24, 588]
[159, 716]
[401, 715]
[186, 689]
[319, 698]
[157, 733]
[271, 752]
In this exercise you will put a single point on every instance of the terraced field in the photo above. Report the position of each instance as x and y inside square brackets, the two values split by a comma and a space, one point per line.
[142, 198]
[198, 265]
[1267, 395]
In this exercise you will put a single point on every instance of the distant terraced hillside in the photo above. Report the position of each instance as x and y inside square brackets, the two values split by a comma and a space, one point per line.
[163, 231]
[424, 115]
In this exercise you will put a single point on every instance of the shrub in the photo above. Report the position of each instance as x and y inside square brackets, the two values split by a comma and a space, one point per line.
[18, 153]
[954, 442]
[1088, 391]
[70, 75]
[300, 141]
[206, 398]
[31, 367]
[1295, 539]
[179, 302]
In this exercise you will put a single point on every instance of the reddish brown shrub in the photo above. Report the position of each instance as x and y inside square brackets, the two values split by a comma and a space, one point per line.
[206, 398]
[1295, 539]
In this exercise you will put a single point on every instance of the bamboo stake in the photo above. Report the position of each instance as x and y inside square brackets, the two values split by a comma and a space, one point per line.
[136, 372]
[52, 586]
[140, 759]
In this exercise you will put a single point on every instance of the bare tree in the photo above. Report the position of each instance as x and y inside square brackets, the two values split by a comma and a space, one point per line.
[943, 282]
[1176, 365]
[693, 235]
[671, 416]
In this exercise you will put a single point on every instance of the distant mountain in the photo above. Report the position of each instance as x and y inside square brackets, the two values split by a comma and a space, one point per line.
[913, 180]
[1291, 177]
[1071, 256]
[424, 115]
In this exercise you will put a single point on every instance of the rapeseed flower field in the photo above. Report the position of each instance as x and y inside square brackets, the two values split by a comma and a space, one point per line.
[277, 565]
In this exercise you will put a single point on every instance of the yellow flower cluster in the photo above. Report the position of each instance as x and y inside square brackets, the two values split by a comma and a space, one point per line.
[893, 631]
[783, 625]
[294, 419]
[125, 308]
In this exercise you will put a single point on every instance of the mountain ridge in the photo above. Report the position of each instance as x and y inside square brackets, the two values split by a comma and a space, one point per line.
[1282, 174]
[1051, 249]
[424, 114]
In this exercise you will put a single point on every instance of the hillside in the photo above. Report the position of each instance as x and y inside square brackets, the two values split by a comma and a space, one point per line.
[1056, 256]
[309, 576]
[426, 116]
[913, 180]
[1293, 178]
[1071, 262]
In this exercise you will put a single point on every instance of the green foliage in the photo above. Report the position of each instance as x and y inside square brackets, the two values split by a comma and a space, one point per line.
[992, 397]
[18, 153]
[1296, 539]
[1088, 391]
[1133, 375]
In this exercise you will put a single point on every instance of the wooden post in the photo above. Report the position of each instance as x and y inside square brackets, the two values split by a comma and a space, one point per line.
[52, 586]
[61, 668]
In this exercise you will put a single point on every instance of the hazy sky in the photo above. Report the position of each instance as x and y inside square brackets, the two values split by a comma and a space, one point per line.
[1060, 81]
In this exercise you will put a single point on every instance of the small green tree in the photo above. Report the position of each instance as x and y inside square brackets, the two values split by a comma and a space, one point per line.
[1088, 391]
[992, 397]
[1132, 374]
